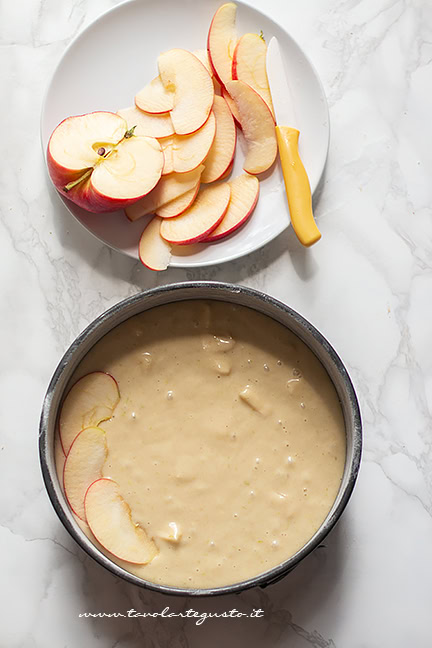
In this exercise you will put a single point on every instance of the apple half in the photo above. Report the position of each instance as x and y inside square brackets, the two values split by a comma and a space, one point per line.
[168, 188]
[154, 252]
[244, 197]
[249, 65]
[221, 42]
[196, 223]
[110, 521]
[146, 124]
[222, 151]
[83, 466]
[258, 127]
[91, 400]
[178, 205]
[155, 98]
[95, 161]
[183, 74]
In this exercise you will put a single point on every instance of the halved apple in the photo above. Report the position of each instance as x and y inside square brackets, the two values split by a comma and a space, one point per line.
[183, 74]
[222, 151]
[249, 65]
[110, 521]
[258, 127]
[154, 252]
[168, 188]
[221, 42]
[83, 466]
[155, 98]
[178, 205]
[99, 164]
[232, 106]
[146, 124]
[196, 223]
[91, 400]
[244, 197]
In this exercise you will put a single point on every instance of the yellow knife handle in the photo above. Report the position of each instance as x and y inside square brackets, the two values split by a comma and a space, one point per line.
[297, 186]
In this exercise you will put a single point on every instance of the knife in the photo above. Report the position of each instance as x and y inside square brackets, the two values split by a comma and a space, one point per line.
[296, 180]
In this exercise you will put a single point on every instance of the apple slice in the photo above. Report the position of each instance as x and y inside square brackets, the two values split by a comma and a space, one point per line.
[170, 187]
[249, 65]
[155, 98]
[183, 153]
[99, 164]
[83, 466]
[222, 152]
[154, 252]
[91, 400]
[167, 144]
[221, 42]
[178, 205]
[196, 223]
[185, 75]
[258, 127]
[146, 124]
[244, 197]
[202, 55]
[110, 521]
[232, 106]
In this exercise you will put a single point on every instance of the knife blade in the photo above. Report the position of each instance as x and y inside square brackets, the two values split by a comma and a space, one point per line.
[295, 177]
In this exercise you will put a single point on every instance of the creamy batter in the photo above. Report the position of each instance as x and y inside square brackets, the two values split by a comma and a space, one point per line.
[228, 442]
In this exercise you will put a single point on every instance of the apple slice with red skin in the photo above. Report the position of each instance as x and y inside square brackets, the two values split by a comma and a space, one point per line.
[249, 65]
[232, 106]
[185, 153]
[221, 42]
[178, 205]
[168, 188]
[196, 223]
[95, 161]
[244, 197]
[154, 252]
[155, 98]
[83, 466]
[222, 151]
[110, 521]
[185, 75]
[146, 124]
[91, 400]
[258, 127]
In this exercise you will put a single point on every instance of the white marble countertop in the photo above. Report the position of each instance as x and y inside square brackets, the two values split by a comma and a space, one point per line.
[367, 286]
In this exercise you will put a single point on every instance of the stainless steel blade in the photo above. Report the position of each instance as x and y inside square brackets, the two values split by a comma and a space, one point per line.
[279, 86]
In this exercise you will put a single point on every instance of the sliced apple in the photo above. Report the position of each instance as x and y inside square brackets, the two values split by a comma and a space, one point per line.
[83, 466]
[244, 197]
[154, 252]
[178, 205]
[232, 106]
[196, 223]
[91, 400]
[222, 39]
[99, 164]
[258, 127]
[183, 74]
[203, 56]
[167, 144]
[170, 187]
[146, 124]
[222, 152]
[110, 521]
[249, 65]
[155, 98]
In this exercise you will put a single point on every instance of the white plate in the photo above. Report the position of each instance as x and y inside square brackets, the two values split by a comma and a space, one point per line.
[115, 56]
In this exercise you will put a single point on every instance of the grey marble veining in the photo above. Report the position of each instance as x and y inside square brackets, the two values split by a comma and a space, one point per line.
[367, 286]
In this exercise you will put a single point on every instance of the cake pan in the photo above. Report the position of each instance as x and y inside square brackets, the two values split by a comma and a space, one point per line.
[212, 291]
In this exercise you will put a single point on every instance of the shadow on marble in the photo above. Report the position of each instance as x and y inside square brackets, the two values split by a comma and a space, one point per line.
[290, 607]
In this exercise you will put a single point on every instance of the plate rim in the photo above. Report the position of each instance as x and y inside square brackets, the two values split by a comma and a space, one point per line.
[198, 264]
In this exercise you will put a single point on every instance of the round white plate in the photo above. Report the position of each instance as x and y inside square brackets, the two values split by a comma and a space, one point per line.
[115, 56]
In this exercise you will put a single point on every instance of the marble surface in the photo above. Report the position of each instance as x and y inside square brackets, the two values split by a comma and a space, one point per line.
[367, 286]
